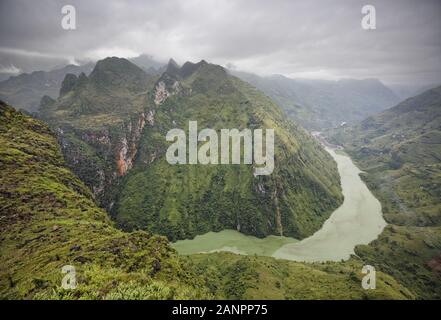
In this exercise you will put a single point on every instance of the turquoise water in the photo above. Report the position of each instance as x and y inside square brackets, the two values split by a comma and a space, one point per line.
[232, 241]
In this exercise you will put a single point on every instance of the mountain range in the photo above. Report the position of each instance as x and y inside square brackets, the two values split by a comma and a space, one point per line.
[321, 104]
[84, 181]
[112, 127]
[314, 104]
[25, 91]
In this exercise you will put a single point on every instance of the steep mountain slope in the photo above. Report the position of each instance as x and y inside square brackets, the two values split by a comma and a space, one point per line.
[181, 201]
[48, 220]
[320, 104]
[112, 127]
[25, 90]
[400, 149]
[252, 277]
[99, 120]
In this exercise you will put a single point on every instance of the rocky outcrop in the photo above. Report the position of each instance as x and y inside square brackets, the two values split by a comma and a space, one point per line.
[161, 93]
[100, 157]
[166, 88]
[127, 146]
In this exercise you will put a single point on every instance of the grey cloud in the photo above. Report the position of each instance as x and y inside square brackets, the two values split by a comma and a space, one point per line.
[295, 38]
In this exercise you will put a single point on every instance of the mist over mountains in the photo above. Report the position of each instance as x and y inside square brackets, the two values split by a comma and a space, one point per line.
[320, 104]
[26, 90]
[315, 104]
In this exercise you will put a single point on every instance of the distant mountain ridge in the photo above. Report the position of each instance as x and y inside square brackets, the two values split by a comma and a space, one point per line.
[26, 90]
[148, 64]
[321, 104]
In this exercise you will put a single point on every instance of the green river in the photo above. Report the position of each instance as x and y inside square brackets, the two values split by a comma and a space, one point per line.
[358, 220]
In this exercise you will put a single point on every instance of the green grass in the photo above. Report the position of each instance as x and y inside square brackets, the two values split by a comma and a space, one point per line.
[251, 277]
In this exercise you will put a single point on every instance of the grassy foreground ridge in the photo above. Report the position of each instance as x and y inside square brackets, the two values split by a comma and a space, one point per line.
[49, 219]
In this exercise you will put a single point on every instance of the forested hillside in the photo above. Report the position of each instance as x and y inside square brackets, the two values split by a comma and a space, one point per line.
[400, 151]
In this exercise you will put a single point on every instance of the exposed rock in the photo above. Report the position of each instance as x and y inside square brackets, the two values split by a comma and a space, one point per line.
[121, 160]
[161, 93]
[435, 264]
[151, 117]
[260, 188]
[156, 266]
[81, 259]
[127, 148]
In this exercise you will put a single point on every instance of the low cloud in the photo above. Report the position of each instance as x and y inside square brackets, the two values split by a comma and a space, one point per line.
[11, 69]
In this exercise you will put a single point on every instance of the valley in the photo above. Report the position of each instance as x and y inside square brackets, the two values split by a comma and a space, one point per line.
[357, 221]
[112, 127]
[303, 231]
[399, 152]
[213, 152]
[49, 219]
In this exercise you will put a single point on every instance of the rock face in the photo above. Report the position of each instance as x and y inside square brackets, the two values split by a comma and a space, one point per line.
[127, 147]
[99, 120]
[167, 86]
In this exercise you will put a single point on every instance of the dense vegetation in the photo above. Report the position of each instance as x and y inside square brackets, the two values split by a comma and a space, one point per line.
[251, 277]
[99, 119]
[49, 219]
[400, 151]
[112, 127]
[183, 201]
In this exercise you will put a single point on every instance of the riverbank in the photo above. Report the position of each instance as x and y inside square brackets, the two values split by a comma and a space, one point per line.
[358, 220]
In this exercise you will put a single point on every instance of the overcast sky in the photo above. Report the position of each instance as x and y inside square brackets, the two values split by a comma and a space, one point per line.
[312, 39]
